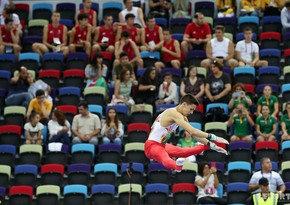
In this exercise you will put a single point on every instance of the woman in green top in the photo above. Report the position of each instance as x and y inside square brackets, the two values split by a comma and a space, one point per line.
[239, 96]
[266, 125]
[285, 123]
[241, 120]
[187, 141]
[268, 99]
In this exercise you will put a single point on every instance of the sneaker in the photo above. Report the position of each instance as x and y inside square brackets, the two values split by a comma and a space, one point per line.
[180, 162]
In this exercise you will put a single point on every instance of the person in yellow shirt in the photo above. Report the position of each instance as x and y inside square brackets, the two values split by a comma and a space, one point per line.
[250, 7]
[225, 8]
[40, 105]
[272, 7]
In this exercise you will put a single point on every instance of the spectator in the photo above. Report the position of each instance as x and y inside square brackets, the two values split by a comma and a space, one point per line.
[18, 92]
[59, 128]
[147, 88]
[33, 129]
[250, 7]
[272, 7]
[6, 4]
[96, 72]
[8, 13]
[285, 123]
[266, 125]
[181, 8]
[276, 183]
[137, 12]
[9, 38]
[220, 49]
[225, 8]
[247, 51]
[41, 106]
[187, 141]
[197, 34]
[160, 8]
[268, 99]
[38, 85]
[112, 130]
[86, 126]
[129, 26]
[239, 96]
[54, 37]
[104, 39]
[167, 91]
[80, 36]
[92, 14]
[241, 121]
[207, 183]
[265, 197]
[192, 84]
[170, 50]
[217, 85]
[151, 35]
[124, 64]
[123, 88]
[127, 45]
[285, 17]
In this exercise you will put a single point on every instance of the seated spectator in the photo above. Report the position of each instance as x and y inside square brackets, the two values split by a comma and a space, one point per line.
[80, 36]
[18, 92]
[207, 183]
[271, 7]
[38, 85]
[59, 128]
[127, 45]
[276, 183]
[104, 39]
[96, 72]
[6, 4]
[225, 8]
[285, 17]
[134, 32]
[167, 91]
[187, 141]
[86, 126]
[123, 88]
[8, 13]
[160, 8]
[241, 121]
[33, 129]
[268, 99]
[54, 37]
[123, 64]
[41, 106]
[197, 34]
[181, 8]
[217, 85]
[285, 123]
[250, 7]
[151, 35]
[137, 12]
[266, 196]
[266, 125]
[9, 38]
[170, 50]
[147, 88]
[192, 84]
[239, 96]
[91, 13]
[112, 130]
[247, 51]
[220, 49]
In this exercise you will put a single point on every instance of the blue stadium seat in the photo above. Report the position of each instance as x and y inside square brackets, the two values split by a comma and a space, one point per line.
[7, 62]
[237, 192]
[269, 74]
[5, 79]
[7, 155]
[78, 174]
[42, 11]
[207, 8]
[193, 124]
[249, 21]
[285, 89]
[271, 23]
[136, 170]
[273, 56]
[161, 22]
[27, 42]
[110, 153]
[96, 109]
[69, 96]
[239, 171]
[178, 25]
[222, 105]
[25, 175]
[105, 173]
[75, 194]
[157, 193]
[68, 23]
[83, 153]
[103, 192]
[113, 9]
[257, 166]
[67, 10]
[29, 60]
[245, 75]
[230, 24]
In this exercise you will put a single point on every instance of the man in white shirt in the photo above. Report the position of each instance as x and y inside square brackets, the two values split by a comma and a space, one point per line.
[129, 8]
[285, 17]
[247, 51]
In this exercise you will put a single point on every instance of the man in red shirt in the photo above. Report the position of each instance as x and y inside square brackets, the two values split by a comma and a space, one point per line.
[171, 53]
[151, 35]
[134, 32]
[92, 14]
[9, 38]
[104, 39]
[80, 37]
[127, 45]
[54, 37]
[196, 34]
